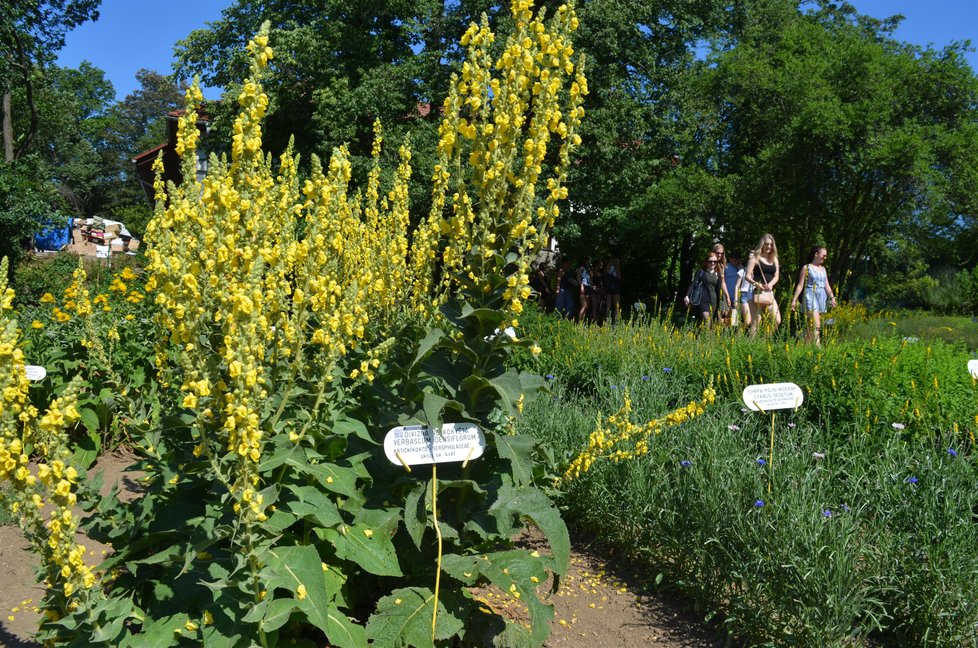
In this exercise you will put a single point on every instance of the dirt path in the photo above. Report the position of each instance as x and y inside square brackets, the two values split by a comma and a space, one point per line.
[598, 601]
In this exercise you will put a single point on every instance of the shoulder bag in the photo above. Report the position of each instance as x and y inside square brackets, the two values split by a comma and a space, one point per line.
[696, 294]
[763, 297]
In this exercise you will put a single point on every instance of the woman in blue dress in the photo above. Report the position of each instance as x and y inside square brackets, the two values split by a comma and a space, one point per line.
[814, 283]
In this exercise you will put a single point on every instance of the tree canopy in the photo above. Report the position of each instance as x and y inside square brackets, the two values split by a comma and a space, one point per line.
[714, 120]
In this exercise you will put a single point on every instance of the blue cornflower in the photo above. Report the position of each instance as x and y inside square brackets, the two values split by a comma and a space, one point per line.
[758, 503]
[667, 369]
[911, 480]
[761, 462]
[549, 376]
[644, 378]
[614, 386]
[845, 507]
[827, 512]
[952, 452]
[685, 463]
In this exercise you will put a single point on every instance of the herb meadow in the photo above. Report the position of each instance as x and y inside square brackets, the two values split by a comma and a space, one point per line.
[294, 321]
[860, 527]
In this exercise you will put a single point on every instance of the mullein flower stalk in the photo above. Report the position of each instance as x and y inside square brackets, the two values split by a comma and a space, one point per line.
[42, 497]
[501, 117]
[618, 439]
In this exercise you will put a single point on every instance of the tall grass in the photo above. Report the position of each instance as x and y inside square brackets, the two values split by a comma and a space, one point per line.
[856, 529]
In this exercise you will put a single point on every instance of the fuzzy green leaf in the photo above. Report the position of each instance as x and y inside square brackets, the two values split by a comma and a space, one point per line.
[415, 513]
[312, 504]
[517, 573]
[515, 504]
[404, 619]
[338, 479]
[432, 338]
[368, 547]
[518, 450]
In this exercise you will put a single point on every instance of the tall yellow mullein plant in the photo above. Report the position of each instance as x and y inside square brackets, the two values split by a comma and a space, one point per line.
[502, 117]
[40, 482]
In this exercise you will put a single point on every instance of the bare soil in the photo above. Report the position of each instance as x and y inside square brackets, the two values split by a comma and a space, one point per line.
[600, 599]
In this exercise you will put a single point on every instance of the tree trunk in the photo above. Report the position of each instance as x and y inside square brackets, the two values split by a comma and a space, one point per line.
[8, 130]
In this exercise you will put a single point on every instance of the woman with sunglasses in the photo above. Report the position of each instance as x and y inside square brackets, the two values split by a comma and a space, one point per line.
[704, 293]
[762, 273]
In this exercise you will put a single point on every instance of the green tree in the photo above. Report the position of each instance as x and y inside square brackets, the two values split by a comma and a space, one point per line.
[133, 125]
[840, 134]
[646, 181]
[31, 34]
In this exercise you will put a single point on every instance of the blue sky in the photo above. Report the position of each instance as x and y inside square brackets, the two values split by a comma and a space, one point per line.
[134, 34]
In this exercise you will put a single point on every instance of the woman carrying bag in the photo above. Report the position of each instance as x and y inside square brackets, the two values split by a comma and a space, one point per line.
[762, 273]
[814, 281]
[704, 293]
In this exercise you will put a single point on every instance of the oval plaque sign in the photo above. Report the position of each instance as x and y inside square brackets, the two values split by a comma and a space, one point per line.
[773, 397]
[417, 444]
[35, 373]
[973, 368]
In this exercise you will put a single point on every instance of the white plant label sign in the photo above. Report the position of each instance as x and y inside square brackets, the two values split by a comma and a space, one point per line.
[416, 444]
[773, 397]
[35, 372]
[973, 368]
[101, 251]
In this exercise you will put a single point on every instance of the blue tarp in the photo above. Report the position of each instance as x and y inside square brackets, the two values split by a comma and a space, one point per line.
[54, 238]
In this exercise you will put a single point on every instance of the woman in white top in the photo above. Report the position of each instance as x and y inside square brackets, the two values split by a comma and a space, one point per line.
[814, 281]
[745, 292]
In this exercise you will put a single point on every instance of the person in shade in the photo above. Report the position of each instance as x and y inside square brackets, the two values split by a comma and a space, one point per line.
[818, 294]
[612, 287]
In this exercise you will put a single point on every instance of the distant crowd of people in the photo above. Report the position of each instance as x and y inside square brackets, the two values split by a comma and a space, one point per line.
[723, 289]
[589, 291]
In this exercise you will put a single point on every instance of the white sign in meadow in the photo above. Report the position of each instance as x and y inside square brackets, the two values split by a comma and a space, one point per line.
[35, 373]
[973, 368]
[412, 445]
[764, 398]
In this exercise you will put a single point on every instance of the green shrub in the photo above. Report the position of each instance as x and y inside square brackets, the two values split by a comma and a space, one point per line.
[845, 533]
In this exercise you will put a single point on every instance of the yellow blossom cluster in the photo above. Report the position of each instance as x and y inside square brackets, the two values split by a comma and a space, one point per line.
[500, 118]
[278, 279]
[618, 439]
[41, 493]
[262, 278]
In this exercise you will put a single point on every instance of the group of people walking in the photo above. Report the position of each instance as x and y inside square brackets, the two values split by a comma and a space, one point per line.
[723, 288]
[589, 291]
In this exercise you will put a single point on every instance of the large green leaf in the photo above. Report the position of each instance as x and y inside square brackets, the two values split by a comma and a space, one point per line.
[509, 388]
[518, 449]
[432, 338]
[314, 505]
[518, 573]
[531, 503]
[433, 405]
[368, 547]
[89, 419]
[87, 449]
[415, 513]
[340, 631]
[339, 479]
[404, 619]
[291, 566]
